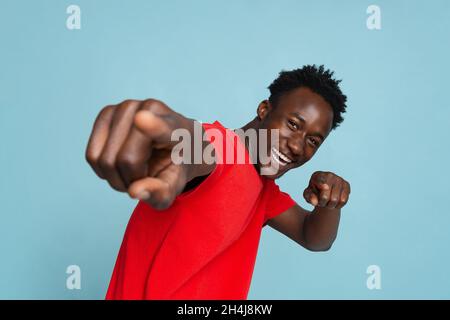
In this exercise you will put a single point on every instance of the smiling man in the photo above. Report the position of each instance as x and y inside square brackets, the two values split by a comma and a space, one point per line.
[195, 231]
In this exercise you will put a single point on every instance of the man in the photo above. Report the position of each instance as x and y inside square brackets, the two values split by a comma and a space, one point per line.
[196, 229]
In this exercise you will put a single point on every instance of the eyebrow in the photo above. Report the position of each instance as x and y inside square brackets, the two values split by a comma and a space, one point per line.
[300, 118]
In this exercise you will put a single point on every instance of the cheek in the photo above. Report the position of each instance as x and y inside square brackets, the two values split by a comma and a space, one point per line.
[309, 153]
[276, 134]
[284, 132]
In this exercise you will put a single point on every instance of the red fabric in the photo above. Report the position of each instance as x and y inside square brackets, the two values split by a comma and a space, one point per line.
[204, 246]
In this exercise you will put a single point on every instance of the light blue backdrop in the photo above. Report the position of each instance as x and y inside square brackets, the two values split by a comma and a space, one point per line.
[213, 60]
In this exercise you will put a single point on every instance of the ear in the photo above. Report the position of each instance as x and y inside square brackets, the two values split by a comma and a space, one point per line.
[264, 109]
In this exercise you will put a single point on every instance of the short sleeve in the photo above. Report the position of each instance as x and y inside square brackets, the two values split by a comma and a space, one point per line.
[277, 201]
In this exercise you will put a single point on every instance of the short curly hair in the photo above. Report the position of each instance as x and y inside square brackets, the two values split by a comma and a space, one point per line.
[319, 80]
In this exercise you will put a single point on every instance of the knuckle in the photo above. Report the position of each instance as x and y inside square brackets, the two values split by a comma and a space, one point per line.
[106, 164]
[105, 111]
[327, 173]
[91, 158]
[126, 160]
[127, 103]
[152, 105]
[115, 187]
[316, 174]
[334, 178]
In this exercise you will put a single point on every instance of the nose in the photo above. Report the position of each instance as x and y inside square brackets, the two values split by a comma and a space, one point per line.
[295, 145]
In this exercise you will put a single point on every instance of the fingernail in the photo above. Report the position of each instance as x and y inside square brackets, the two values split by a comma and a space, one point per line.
[143, 195]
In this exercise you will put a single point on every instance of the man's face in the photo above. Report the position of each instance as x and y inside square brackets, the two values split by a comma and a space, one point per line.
[304, 120]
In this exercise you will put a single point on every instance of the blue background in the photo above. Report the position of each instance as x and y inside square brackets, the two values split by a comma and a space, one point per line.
[212, 60]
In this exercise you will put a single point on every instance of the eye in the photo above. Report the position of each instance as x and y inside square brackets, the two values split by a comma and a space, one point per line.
[292, 125]
[314, 142]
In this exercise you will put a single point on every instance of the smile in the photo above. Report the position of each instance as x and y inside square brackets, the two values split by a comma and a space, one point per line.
[280, 157]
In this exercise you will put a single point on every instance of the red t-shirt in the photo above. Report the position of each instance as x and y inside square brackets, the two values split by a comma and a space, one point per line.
[204, 246]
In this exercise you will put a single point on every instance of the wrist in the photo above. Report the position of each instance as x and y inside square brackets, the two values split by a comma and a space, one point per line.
[326, 210]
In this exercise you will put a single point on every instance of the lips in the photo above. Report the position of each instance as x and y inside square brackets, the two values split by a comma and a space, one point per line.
[280, 157]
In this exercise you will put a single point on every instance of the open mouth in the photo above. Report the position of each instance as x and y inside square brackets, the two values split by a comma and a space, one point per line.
[280, 157]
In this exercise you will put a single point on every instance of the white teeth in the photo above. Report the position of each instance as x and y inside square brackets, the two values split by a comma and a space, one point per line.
[280, 155]
[274, 157]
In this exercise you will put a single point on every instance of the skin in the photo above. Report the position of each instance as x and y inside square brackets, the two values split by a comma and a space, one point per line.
[130, 148]
[304, 120]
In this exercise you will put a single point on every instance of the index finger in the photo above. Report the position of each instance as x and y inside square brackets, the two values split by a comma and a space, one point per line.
[319, 181]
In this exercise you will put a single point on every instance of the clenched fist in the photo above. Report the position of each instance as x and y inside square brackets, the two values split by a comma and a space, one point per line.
[326, 189]
[130, 147]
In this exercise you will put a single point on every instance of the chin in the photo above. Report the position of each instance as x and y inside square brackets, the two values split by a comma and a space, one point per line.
[278, 175]
[274, 176]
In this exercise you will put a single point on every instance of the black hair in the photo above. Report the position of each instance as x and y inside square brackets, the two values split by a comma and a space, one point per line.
[319, 80]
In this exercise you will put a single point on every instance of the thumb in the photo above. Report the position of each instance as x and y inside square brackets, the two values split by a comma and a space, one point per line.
[310, 196]
[318, 182]
[156, 192]
[319, 185]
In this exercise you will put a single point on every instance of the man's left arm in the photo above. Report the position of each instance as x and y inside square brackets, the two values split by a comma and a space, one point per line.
[316, 230]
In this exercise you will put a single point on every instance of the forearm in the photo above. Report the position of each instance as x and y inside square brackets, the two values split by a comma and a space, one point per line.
[320, 228]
